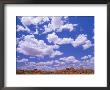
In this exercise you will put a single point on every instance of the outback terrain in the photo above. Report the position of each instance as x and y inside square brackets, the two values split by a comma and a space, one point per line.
[63, 71]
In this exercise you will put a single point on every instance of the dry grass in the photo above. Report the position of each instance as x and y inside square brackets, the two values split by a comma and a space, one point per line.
[63, 71]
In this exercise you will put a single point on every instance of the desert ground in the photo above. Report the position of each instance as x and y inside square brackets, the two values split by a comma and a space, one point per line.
[63, 71]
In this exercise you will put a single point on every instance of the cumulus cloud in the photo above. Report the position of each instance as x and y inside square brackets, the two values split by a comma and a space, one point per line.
[86, 57]
[56, 40]
[46, 19]
[65, 41]
[31, 46]
[57, 24]
[56, 53]
[27, 20]
[21, 28]
[22, 60]
[87, 44]
[48, 28]
[81, 39]
[69, 59]
[53, 38]
[60, 63]
[44, 63]
[70, 27]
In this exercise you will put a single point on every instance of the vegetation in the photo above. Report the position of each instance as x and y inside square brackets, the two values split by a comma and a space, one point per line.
[63, 71]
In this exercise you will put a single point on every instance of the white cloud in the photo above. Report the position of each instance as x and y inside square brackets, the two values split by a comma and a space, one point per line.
[44, 63]
[37, 20]
[81, 39]
[56, 40]
[31, 63]
[31, 46]
[53, 38]
[57, 24]
[61, 63]
[46, 19]
[69, 59]
[86, 57]
[89, 63]
[65, 17]
[48, 28]
[65, 41]
[56, 53]
[87, 44]
[67, 26]
[55, 46]
[21, 28]
[22, 60]
[27, 20]
[92, 60]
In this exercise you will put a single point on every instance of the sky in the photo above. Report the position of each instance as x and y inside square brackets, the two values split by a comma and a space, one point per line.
[54, 42]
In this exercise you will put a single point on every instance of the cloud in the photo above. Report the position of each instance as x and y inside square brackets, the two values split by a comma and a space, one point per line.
[65, 17]
[21, 28]
[53, 38]
[57, 25]
[60, 63]
[92, 60]
[31, 46]
[81, 39]
[22, 60]
[37, 65]
[44, 63]
[56, 22]
[56, 53]
[87, 44]
[67, 26]
[86, 57]
[88, 63]
[69, 59]
[27, 20]
[48, 28]
[65, 41]
[46, 19]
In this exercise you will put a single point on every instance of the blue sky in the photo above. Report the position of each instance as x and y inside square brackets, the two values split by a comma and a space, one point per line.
[54, 42]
